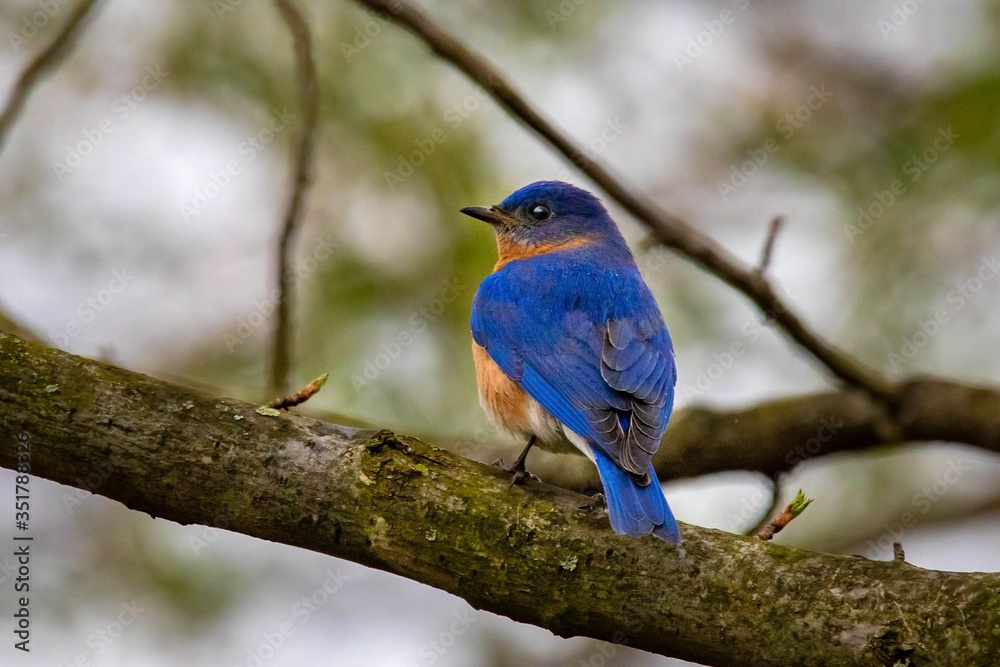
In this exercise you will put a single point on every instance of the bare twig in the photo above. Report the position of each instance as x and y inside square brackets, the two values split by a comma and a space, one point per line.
[772, 507]
[300, 396]
[772, 235]
[792, 510]
[46, 59]
[670, 230]
[302, 166]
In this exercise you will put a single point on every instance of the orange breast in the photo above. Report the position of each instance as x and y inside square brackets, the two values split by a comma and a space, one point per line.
[508, 250]
[504, 401]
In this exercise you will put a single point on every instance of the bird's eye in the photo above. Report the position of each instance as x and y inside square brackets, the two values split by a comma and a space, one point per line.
[540, 212]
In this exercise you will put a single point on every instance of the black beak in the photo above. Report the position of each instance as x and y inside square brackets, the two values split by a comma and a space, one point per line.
[492, 215]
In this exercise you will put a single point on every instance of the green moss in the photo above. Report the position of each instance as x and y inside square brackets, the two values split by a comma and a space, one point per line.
[568, 563]
[892, 650]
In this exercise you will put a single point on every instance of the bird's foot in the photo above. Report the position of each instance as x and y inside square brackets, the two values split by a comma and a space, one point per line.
[517, 470]
[598, 503]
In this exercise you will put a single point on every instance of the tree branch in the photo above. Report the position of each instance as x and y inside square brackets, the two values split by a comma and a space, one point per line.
[772, 235]
[670, 230]
[302, 167]
[400, 505]
[46, 59]
[776, 436]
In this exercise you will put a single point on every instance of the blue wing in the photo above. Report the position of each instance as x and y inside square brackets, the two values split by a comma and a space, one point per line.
[589, 346]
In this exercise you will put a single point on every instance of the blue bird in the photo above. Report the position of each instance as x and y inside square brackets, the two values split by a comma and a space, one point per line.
[571, 351]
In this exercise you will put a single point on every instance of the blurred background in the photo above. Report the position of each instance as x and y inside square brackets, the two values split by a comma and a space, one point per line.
[140, 198]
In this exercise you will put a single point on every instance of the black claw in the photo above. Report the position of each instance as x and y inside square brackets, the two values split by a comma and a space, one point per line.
[517, 470]
[598, 503]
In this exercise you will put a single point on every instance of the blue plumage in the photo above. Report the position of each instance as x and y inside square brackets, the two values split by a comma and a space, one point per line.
[636, 510]
[568, 320]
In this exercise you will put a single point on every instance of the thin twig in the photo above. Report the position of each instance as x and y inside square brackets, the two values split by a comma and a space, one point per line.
[300, 396]
[772, 507]
[46, 59]
[302, 166]
[670, 230]
[792, 510]
[772, 236]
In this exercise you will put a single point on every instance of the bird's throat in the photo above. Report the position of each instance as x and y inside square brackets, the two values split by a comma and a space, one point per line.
[509, 250]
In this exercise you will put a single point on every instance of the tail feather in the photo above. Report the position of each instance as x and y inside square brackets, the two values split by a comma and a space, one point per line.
[636, 510]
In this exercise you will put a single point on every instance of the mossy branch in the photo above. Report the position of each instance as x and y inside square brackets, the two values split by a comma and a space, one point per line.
[401, 505]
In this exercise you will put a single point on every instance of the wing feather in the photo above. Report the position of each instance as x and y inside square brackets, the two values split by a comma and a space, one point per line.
[590, 347]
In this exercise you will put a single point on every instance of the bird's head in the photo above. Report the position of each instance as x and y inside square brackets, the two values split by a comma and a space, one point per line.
[548, 213]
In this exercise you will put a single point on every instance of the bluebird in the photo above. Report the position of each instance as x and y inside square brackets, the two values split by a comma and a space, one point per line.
[570, 348]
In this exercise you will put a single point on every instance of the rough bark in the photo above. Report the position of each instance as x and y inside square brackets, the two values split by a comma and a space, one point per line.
[401, 505]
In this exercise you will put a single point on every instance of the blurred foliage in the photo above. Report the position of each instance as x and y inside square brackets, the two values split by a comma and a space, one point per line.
[920, 157]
